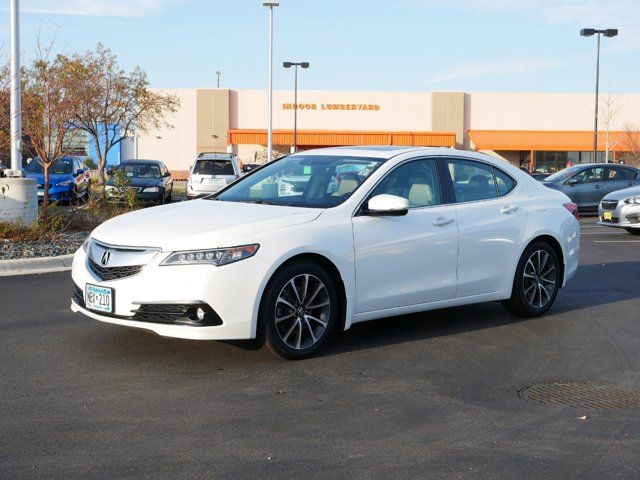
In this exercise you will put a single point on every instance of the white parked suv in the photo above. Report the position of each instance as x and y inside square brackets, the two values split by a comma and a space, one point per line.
[373, 232]
[212, 172]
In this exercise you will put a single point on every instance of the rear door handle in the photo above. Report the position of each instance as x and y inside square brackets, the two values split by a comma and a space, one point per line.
[441, 221]
[508, 209]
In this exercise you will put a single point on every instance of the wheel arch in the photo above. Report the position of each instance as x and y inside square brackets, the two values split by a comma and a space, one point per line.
[331, 269]
[557, 248]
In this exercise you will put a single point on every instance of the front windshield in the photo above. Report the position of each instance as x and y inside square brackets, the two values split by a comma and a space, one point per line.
[63, 166]
[139, 170]
[313, 181]
[562, 174]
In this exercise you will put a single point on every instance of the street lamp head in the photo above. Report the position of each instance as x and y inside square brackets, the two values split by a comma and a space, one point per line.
[304, 64]
[611, 32]
[270, 4]
[287, 64]
[587, 32]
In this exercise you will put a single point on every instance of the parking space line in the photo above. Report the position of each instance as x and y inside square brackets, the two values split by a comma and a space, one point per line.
[603, 233]
[616, 241]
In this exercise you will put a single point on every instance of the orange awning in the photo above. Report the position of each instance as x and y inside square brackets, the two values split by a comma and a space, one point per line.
[549, 140]
[330, 138]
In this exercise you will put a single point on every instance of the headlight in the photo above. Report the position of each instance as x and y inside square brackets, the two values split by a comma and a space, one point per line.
[634, 200]
[85, 244]
[65, 183]
[215, 256]
[151, 190]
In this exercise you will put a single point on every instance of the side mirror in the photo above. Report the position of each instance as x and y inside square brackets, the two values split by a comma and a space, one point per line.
[246, 169]
[78, 172]
[571, 181]
[166, 174]
[109, 171]
[383, 205]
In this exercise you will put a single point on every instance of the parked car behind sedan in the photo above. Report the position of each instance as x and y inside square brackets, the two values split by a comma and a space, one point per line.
[69, 179]
[212, 172]
[414, 229]
[587, 184]
[621, 209]
[150, 180]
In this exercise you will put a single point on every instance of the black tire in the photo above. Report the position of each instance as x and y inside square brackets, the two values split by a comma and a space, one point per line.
[299, 333]
[170, 196]
[535, 290]
[633, 231]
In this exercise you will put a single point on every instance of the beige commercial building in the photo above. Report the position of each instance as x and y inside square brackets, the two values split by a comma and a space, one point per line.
[538, 131]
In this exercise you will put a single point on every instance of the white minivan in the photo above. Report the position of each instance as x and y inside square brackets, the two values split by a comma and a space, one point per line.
[212, 172]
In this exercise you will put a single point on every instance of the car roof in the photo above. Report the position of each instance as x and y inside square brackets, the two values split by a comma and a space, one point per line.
[136, 160]
[383, 152]
[215, 156]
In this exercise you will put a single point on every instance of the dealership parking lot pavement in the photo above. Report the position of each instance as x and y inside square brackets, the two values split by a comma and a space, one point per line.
[433, 395]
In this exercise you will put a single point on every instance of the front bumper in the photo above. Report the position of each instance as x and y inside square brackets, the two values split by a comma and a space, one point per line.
[233, 291]
[57, 194]
[624, 215]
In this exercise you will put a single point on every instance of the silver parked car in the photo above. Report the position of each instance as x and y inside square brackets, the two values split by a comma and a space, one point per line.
[621, 209]
[587, 184]
[212, 172]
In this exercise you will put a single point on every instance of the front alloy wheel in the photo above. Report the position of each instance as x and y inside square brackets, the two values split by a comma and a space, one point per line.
[300, 308]
[537, 281]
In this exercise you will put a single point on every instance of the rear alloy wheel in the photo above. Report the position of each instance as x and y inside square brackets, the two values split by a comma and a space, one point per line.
[537, 281]
[633, 231]
[299, 311]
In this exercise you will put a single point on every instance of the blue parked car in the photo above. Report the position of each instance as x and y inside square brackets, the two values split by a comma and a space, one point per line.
[69, 179]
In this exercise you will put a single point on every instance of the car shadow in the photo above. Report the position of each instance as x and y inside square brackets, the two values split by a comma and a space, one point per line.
[582, 292]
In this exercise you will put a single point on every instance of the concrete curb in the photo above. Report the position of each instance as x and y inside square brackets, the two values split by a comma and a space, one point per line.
[27, 266]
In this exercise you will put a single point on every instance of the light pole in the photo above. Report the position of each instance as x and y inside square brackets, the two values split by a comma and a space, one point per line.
[16, 109]
[294, 147]
[218, 74]
[270, 4]
[588, 32]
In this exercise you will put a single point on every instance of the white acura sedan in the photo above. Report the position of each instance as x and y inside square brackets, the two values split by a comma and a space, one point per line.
[320, 240]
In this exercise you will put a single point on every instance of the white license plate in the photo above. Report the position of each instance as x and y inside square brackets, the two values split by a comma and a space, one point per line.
[98, 298]
[214, 181]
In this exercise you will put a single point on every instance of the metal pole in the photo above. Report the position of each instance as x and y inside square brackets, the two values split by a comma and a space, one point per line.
[270, 129]
[595, 118]
[295, 110]
[16, 109]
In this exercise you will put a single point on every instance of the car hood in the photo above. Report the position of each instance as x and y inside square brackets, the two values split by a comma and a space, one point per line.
[553, 185]
[140, 182]
[624, 193]
[53, 179]
[198, 224]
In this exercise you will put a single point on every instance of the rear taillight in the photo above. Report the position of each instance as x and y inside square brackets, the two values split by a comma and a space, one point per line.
[573, 209]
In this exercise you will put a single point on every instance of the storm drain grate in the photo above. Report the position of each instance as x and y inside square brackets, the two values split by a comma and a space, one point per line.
[582, 395]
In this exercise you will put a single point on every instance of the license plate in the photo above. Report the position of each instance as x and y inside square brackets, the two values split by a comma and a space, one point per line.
[214, 181]
[99, 298]
[607, 215]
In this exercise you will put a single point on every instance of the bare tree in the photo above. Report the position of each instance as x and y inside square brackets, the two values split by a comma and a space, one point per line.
[114, 104]
[630, 143]
[5, 111]
[48, 102]
[608, 112]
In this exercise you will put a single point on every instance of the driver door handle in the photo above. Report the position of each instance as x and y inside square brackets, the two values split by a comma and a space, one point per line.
[508, 209]
[441, 221]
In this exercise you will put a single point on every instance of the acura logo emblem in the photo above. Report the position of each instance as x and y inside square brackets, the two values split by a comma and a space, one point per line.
[105, 257]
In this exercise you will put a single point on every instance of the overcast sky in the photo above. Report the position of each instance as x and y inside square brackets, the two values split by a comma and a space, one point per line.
[470, 45]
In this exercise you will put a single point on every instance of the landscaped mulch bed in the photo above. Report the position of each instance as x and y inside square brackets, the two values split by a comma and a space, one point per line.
[62, 244]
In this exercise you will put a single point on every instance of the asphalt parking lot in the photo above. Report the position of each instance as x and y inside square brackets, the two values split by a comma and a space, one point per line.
[433, 395]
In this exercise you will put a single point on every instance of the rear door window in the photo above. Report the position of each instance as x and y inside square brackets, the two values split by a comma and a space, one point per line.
[213, 167]
[472, 181]
[619, 173]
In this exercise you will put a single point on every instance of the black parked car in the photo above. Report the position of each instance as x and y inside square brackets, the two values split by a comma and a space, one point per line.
[150, 179]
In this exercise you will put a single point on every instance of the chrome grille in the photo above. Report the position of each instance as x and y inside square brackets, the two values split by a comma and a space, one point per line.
[114, 273]
[609, 205]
